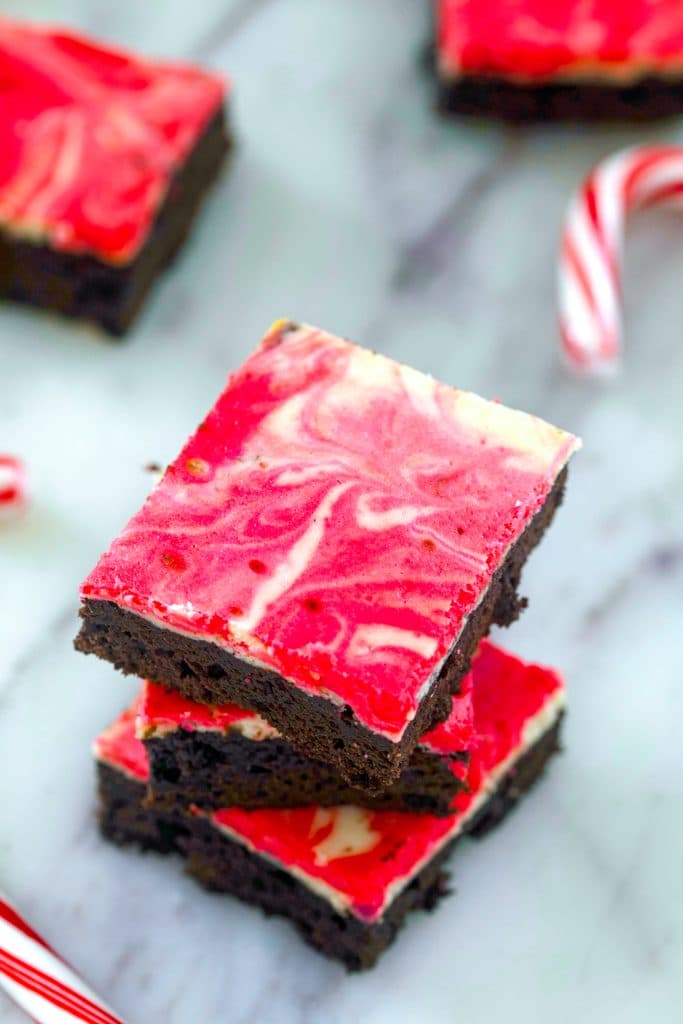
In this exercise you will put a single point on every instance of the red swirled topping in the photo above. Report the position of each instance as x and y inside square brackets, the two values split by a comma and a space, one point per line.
[359, 859]
[537, 39]
[90, 138]
[336, 518]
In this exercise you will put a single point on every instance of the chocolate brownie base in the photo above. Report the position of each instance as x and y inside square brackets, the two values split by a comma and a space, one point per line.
[482, 95]
[223, 865]
[518, 781]
[202, 671]
[125, 818]
[85, 287]
[214, 769]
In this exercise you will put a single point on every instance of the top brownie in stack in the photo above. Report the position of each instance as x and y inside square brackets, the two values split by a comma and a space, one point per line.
[556, 59]
[329, 548]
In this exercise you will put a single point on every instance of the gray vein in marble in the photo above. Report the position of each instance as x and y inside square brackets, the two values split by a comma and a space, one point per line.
[51, 635]
[226, 26]
[421, 259]
[620, 903]
[660, 561]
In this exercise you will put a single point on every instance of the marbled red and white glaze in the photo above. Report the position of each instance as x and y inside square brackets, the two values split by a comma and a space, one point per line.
[536, 39]
[90, 137]
[360, 859]
[336, 518]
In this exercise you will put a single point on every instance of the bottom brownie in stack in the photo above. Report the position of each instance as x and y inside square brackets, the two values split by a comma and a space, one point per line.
[345, 875]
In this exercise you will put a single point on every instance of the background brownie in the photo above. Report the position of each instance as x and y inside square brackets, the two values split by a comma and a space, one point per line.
[560, 60]
[90, 213]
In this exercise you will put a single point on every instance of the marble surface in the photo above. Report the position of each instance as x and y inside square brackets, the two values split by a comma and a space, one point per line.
[351, 205]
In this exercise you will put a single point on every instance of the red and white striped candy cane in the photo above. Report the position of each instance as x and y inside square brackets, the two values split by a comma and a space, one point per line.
[13, 496]
[592, 244]
[39, 981]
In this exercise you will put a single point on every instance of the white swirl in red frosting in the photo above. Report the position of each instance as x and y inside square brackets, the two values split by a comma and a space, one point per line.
[358, 859]
[90, 138]
[337, 517]
[536, 39]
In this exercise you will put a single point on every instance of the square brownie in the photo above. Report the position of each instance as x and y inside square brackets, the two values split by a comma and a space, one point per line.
[560, 60]
[329, 548]
[346, 876]
[105, 158]
[223, 756]
[217, 756]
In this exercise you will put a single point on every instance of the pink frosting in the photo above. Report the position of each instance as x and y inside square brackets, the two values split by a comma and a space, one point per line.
[335, 518]
[361, 856]
[90, 138]
[540, 38]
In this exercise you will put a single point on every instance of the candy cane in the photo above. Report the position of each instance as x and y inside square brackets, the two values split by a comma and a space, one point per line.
[39, 981]
[12, 486]
[592, 243]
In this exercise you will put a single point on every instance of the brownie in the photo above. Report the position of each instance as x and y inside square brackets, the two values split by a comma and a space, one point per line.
[225, 866]
[349, 886]
[211, 770]
[329, 548]
[224, 756]
[222, 866]
[125, 815]
[89, 243]
[560, 61]
[138, 647]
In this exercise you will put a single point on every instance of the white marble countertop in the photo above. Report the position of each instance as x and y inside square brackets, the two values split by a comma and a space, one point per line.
[351, 205]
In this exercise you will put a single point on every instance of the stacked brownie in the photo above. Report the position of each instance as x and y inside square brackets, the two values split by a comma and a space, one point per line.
[306, 594]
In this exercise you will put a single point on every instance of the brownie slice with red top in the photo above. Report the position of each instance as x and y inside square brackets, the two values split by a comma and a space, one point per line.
[223, 756]
[560, 60]
[346, 876]
[105, 158]
[329, 548]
